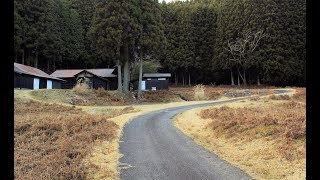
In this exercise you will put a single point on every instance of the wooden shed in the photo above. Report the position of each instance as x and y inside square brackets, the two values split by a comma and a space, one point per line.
[95, 78]
[154, 81]
[27, 77]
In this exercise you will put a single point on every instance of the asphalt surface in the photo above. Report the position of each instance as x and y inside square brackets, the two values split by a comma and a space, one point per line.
[153, 148]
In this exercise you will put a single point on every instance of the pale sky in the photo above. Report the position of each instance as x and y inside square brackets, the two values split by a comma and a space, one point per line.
[169, 0]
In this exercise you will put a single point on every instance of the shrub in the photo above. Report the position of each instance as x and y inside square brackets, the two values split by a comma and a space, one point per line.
[280, 97]
[81, 89]
[199, 92]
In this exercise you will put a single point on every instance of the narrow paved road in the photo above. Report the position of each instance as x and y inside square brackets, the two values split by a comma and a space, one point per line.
[154, 149]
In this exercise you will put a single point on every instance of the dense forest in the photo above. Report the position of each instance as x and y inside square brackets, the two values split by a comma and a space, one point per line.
[238, 42]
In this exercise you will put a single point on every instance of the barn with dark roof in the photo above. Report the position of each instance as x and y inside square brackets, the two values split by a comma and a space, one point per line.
[95, 78]
[27, 77]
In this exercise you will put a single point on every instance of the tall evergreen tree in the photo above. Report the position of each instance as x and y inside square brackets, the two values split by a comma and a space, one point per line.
[113, 31]
[151, 39]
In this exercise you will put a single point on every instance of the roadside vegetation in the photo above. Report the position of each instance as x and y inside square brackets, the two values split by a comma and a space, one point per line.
[264, 136]
[54, 138]
[51, 141]
[82, 96]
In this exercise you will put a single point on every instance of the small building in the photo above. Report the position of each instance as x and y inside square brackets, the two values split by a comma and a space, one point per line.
[27, 77]
[95, 78]
[154, 81]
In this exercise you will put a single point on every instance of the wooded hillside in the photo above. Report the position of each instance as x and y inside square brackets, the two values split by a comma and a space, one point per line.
[198, 41]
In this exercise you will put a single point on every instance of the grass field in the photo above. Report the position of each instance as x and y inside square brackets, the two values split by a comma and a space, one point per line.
[51, 141]
[263, 136]
[54, 139]
[86, 97]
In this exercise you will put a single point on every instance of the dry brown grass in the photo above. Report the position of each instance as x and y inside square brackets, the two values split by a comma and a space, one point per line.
[199, 92]
[286, 121]
[81, 89]
[216, 92]
[300, 95]
[50, 141]
[83, 96]
[264, 137]
[280, 97]
[162, 96]
[194, 93]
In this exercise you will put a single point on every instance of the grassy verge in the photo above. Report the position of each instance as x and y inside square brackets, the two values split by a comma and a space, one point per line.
[51, 141]
[76, 142]
[81, 96]
[263, 136]
[70, 142]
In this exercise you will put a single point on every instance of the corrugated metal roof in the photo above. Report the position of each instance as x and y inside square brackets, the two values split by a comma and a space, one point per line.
[68, 73]
[65, 73]
[150, 75]
[102, 72]
[23, 69]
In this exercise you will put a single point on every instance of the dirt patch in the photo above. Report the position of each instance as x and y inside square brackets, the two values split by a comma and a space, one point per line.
[264, 137]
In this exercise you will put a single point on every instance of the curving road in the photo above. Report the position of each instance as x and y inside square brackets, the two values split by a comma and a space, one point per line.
[153, 148]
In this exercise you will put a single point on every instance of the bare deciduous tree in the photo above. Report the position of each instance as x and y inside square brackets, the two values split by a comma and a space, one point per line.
[241, 48]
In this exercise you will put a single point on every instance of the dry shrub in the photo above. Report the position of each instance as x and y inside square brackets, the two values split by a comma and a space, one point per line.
[280, 97]
[300, 95]
[100, 97]
[215, 92]
[81, 89]
[128, 109]
[286, 122]
[159, 96]
[199, 92]
[117, 112]
[101, 92]
[50, 141]
[255, 99]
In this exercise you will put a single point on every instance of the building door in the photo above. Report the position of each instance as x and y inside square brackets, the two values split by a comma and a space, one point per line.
[49, 84]
[43, 84]
[143, 85]
[36, 83]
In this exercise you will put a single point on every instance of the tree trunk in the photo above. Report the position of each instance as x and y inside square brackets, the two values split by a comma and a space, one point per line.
[232, 79]
[119, 76]
[48, 65]
[54, 64]
[189, 79]
[22, 57]
[183, 83]
[28, 58]
[238, 77]
[140, 77]
[126, 73]
[36, 60]
[176, 78]
[244, 78]
[258, 80]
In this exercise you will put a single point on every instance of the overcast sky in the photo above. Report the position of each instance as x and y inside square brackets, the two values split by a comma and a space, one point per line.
[169, 0]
